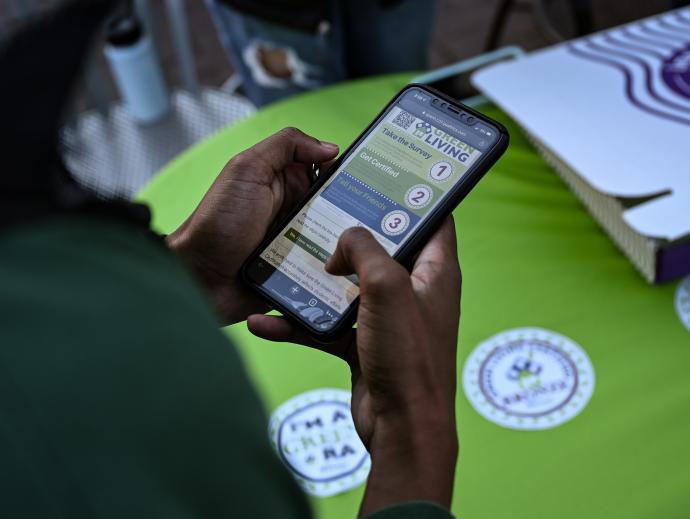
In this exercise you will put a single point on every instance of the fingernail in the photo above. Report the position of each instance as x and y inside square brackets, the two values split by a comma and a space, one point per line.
[330, 146]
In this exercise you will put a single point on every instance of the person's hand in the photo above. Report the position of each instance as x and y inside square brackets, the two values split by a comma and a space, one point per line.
[250, 193]
[403, 361]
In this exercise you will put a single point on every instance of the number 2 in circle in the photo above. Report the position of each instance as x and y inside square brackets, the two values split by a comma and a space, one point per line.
[441, 171]
[418, 196]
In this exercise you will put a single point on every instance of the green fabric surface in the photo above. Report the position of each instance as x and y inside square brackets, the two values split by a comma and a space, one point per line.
[531, 256]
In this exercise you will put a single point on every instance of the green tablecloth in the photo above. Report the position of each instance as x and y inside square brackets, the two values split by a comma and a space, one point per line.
[531, 256]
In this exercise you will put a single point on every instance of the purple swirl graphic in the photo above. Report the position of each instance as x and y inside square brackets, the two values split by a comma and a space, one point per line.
[637, 48]
[629, 91]
[649, 83]
[634, 36]
[680, 17]
[667, 25]
[661, 34]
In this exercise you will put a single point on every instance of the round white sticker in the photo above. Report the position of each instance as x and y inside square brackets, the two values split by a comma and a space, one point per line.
[418, 196]
[315, 437]
[683, 301]
[441, 171]
[395, 223]
[528, 378]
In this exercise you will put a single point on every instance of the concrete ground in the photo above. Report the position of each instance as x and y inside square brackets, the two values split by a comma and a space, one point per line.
[462, 25]
[461, 30]
[116, 157]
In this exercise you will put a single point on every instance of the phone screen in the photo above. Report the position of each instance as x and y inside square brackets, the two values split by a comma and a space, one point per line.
[389, 182]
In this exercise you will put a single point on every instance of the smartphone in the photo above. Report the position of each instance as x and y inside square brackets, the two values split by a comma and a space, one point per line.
[400, 178]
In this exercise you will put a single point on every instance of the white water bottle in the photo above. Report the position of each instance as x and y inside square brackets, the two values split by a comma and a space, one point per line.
[136, 70]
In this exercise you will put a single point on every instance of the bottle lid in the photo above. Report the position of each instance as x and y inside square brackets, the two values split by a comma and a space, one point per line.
[123, 31]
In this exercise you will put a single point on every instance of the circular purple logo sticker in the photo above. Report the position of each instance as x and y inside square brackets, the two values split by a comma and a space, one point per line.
[675, 72]
[528, 378]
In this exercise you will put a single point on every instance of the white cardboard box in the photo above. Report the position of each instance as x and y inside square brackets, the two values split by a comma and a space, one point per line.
[611, 111]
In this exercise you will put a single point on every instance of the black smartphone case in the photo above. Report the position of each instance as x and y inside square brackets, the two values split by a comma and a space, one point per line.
[415, 242]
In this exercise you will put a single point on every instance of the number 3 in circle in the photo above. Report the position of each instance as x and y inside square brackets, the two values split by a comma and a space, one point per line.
[395, 222]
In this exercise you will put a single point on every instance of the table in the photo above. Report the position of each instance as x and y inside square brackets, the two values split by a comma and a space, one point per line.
[531, 256]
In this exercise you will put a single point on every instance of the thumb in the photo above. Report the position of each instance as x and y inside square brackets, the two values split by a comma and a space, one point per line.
[358, 252]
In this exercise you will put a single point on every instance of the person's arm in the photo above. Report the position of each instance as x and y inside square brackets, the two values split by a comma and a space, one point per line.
[402, 354]
[412, 510]
[403, 363]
